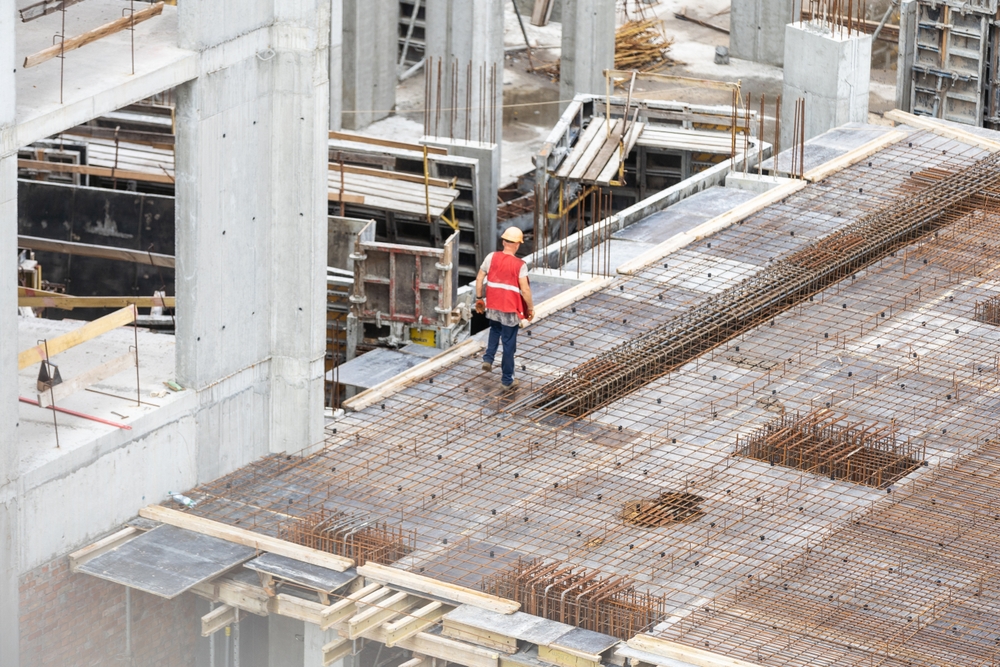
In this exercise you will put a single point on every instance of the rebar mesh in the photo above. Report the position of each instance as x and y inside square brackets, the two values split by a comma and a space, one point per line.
[819, 443]
[619, 371]
[582, 597]
[362, 539]
[988, 311]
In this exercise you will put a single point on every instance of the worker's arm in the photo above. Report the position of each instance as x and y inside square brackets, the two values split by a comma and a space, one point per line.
[526, 295]
[480, 303]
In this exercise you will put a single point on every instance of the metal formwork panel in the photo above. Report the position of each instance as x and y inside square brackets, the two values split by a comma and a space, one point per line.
[950, 63]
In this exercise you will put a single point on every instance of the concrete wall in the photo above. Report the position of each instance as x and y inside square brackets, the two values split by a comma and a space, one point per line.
[370, 34]
[464, 31]
[757, 29]
[831, 71]
[588, 47]
[9, 543]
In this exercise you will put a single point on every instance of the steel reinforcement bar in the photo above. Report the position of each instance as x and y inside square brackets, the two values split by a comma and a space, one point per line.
[719, 318]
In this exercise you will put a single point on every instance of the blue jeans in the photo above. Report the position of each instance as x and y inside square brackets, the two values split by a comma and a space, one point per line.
[508, 335]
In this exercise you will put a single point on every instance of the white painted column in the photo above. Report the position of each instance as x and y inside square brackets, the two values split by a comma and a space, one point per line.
[588, 47]
[831, 71]
[459, 32]
[9, 534]
[370, 48]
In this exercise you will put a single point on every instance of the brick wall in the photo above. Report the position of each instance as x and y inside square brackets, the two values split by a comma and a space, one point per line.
[75, 620]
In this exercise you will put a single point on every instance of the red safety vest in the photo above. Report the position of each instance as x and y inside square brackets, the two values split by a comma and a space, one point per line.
[503, 290]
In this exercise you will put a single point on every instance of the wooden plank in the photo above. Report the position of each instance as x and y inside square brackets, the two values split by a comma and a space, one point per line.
[480, 637]
[87, 378]
[146, 138]
[688, 654]
[342, 609]
[111, 28]
[595, 148]
[217, 619]
[582, 143]
[417, 621]
[69, 340]
[235, 593]
[123, 174]
[113, 541]
[854, 156]
[336, 650]
[27, 291]
[558, 655]
[63, 302]
[361, 139]
[609, 149]
[414, 662]
[448, 591]
[377, 614]
[940, 128]
[610, 171]
[387, 174]
[245, 537]
[678, 241]
[297, 608]
[334, 195]
[44, 8]
[435, 646]
[90, 250]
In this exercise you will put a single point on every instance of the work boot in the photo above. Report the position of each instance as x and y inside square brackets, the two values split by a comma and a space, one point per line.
[511, 386]
[487, 366]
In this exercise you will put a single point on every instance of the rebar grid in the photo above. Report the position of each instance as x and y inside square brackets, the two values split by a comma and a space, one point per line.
[988, 311]
[723, 316]
[912, 582]
[359, 538]
[818, 442]
[482, 486]
[585, 598]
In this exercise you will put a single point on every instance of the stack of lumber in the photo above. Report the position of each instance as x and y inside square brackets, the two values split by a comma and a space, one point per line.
[678, 138]
[639, 45]
[597, 153]
[390, 190]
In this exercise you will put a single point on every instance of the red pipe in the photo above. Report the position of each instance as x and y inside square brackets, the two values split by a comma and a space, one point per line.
[75, 414]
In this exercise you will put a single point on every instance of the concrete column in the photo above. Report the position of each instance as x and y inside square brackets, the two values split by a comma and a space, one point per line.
[251, 230]
[588, 47]
[370, 47]
[904, 59]
[9, 533]
[285, 642]
[831, 71]
[757, 29]
[460, 32]
[336, 68]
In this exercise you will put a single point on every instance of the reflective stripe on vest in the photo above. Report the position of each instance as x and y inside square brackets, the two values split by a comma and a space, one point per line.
[503, 292]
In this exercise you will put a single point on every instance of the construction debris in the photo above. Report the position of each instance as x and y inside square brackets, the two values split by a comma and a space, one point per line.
[639, 45]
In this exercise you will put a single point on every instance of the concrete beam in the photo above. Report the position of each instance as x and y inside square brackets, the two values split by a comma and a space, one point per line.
[588, 47]
[10, 542]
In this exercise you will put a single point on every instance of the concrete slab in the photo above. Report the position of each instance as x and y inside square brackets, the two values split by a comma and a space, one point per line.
[97, 78]
[608, 256]
[376, 366]
[112, 399]
[684, 215]
[829, 145]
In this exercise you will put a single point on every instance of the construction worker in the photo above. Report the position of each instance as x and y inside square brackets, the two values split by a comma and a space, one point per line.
[506, 302]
